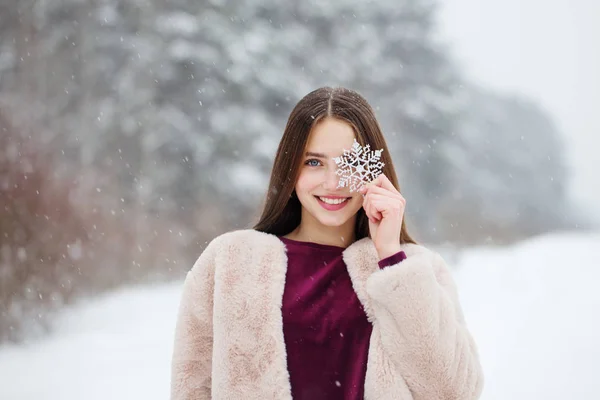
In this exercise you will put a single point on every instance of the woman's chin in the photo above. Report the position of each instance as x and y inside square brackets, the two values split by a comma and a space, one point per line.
[332, 224]
[333, 220]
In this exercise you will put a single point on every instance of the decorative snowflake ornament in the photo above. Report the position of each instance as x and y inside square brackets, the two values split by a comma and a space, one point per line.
[358, 166]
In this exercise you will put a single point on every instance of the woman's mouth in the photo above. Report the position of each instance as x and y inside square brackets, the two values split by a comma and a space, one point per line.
[332, 203]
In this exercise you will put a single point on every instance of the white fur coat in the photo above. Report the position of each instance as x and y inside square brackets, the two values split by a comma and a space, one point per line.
[229, 340]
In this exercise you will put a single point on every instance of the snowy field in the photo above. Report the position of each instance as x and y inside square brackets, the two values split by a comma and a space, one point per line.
[533, 308]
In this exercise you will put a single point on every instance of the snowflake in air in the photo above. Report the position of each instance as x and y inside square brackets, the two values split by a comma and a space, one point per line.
[358, 166]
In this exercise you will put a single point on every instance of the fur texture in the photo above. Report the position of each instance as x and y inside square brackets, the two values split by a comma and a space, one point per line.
[229, 336]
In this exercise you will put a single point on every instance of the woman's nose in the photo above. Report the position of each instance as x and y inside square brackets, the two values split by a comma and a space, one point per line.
[331, 180]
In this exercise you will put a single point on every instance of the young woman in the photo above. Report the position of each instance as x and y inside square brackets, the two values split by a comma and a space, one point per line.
[328, 296]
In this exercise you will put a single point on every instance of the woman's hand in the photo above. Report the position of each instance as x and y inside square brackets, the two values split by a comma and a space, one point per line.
[384, 207]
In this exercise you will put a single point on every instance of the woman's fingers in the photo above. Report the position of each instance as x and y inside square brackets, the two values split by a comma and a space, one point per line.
[384, 204]
[370, 211]
[380, 195]
[380, 190]
[384, 182]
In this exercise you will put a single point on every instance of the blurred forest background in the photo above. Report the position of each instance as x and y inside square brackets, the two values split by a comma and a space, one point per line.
[133, 132]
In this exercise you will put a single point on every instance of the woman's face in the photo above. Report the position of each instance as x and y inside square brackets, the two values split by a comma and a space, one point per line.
[322, 201]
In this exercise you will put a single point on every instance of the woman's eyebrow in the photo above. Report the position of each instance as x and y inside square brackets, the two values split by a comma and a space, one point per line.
[313, 154]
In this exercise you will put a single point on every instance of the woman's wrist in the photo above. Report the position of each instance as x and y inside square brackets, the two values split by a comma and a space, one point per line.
[389, 251]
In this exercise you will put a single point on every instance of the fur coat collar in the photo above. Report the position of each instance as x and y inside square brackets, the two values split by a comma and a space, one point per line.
[229, 340]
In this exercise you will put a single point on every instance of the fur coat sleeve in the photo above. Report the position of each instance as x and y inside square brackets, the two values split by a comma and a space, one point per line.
[422, 329]
[191, 368]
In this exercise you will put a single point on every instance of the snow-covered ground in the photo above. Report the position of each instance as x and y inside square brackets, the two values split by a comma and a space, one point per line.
[533, 308]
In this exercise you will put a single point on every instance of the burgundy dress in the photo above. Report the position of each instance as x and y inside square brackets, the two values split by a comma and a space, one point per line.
[325, 327]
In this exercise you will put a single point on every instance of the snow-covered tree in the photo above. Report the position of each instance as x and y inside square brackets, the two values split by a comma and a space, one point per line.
[511, 170]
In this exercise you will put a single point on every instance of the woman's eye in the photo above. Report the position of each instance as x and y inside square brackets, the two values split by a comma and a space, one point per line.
[313, 162]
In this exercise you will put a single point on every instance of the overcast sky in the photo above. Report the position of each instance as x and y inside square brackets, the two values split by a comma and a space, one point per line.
[547, 49]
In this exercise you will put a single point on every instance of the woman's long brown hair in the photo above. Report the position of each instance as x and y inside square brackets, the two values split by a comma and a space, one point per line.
[282, 210]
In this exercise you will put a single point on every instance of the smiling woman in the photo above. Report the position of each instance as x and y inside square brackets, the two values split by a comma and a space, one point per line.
[321, 125]
[328, 297]
[316, 188]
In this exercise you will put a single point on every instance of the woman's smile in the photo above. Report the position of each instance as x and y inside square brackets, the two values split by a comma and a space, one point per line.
[333, 203]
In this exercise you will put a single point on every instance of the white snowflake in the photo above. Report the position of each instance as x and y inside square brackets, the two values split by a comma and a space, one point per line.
[358, 166]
